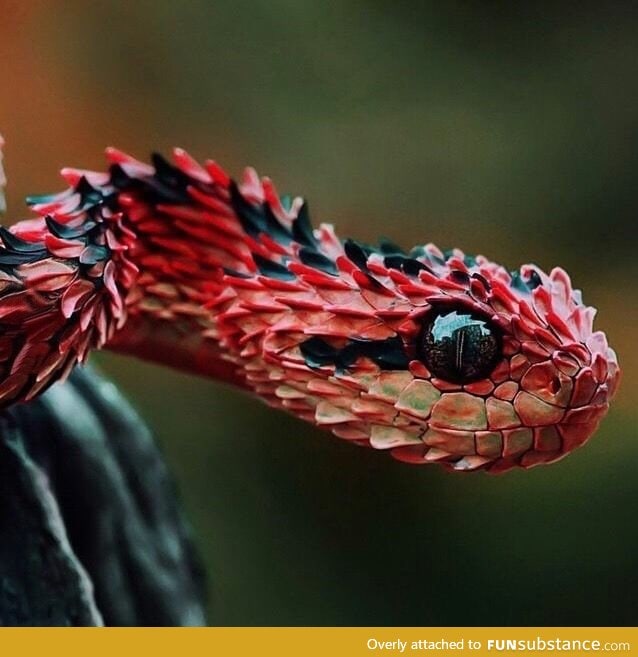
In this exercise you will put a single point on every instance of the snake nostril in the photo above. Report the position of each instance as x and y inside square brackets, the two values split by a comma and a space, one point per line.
[554, 385]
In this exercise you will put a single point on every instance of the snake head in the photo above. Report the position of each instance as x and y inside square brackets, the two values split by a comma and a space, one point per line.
[504, 368]
[440, 357]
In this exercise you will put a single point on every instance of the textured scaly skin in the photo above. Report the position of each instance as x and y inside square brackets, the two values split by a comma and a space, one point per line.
[178, 264]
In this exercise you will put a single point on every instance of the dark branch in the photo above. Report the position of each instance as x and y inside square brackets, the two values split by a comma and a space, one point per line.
[90, 531]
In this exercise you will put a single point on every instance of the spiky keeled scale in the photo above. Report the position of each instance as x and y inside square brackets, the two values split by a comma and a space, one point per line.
[231, 280]
[63, 278]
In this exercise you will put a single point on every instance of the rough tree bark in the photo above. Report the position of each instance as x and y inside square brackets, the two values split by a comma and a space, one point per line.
[90, 532]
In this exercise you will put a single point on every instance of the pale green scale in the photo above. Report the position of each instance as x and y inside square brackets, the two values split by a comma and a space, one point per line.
[418, 398]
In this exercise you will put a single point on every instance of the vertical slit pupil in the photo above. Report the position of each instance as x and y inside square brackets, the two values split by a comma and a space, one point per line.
[459, 346]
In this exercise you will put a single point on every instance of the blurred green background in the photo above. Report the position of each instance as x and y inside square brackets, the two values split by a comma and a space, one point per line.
[507, 131]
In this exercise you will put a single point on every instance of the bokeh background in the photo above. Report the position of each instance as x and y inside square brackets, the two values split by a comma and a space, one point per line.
[503, 130]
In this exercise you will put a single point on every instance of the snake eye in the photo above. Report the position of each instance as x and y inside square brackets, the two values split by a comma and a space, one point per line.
[459, 346]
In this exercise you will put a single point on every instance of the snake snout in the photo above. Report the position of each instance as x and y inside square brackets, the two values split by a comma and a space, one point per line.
[593, 386]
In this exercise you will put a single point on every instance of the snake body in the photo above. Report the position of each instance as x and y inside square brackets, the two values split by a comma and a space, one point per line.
[437, 357]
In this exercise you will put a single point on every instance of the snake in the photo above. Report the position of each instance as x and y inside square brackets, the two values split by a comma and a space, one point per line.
[435, 356]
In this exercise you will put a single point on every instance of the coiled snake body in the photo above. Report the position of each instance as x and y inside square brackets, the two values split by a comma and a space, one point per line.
[437, 357]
